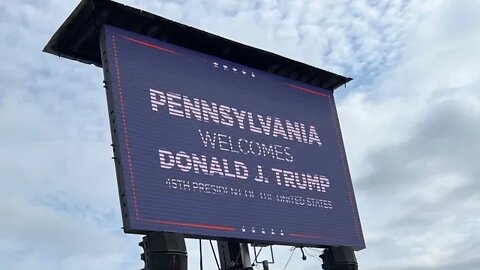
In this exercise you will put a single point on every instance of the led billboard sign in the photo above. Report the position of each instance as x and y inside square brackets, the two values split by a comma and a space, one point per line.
[214, 149]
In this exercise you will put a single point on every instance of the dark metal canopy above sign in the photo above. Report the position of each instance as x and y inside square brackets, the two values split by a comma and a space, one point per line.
[78, 39]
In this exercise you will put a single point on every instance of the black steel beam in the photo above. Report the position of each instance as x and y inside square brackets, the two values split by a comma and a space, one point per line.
[78, 39]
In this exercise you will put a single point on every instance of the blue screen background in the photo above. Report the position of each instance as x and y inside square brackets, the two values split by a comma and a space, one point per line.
[137, 63]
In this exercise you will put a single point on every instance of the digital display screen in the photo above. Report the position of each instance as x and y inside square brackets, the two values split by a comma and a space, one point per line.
[213, 149]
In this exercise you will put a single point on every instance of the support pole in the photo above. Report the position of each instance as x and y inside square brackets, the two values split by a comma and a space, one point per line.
[265, 265]
[164, 251]
[234, 255]
[201, 253]
[339, 258]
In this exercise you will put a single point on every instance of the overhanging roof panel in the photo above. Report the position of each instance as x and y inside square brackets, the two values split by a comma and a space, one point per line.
[78, 39]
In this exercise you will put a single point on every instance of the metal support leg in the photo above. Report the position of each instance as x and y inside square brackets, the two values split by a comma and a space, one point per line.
[164, 251]
[234, 255]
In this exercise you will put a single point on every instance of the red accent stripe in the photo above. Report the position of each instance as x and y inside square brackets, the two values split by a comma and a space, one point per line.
[348, 179]
[307, 90]
[125, 130]
[343, 159]
[308, 236]
[150, 45]
[215, 227]
[193, 225]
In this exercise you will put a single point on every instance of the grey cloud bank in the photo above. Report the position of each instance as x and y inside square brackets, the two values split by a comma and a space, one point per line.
[411, 122]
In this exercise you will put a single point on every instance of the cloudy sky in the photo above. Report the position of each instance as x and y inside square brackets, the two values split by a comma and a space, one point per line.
[410, 119]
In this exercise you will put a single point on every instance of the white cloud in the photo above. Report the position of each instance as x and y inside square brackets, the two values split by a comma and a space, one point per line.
[410, 122]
